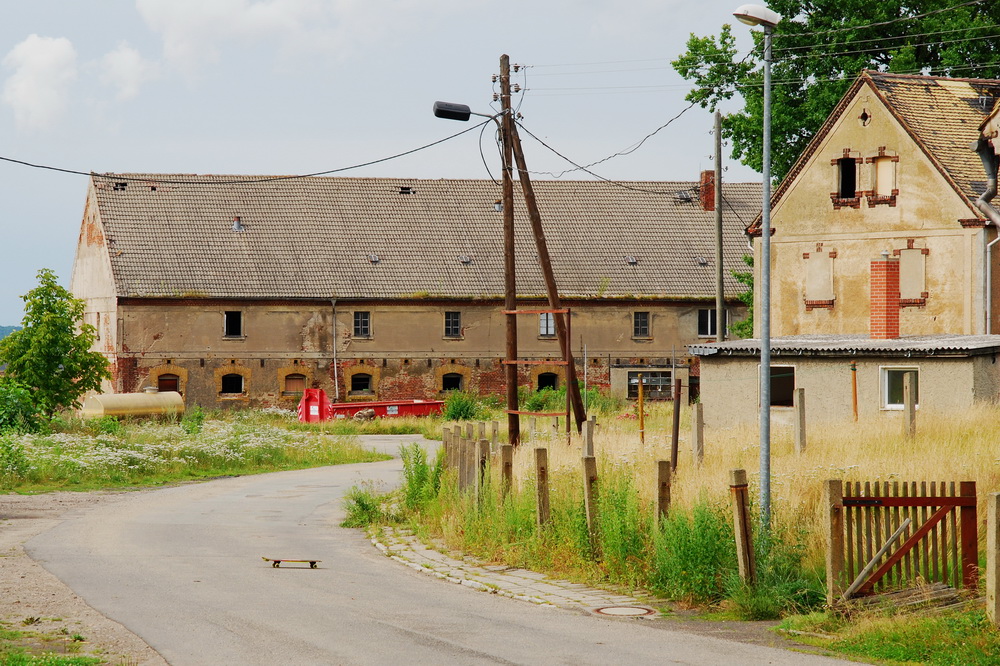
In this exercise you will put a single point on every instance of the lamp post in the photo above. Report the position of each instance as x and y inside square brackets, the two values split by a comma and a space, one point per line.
[462, 112]
[766, 19]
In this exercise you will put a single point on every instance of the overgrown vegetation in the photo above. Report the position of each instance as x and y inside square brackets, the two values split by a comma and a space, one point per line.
[109, 453]
[46, 644]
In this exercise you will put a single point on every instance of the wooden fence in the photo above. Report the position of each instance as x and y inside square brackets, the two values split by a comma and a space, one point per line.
[885, 535]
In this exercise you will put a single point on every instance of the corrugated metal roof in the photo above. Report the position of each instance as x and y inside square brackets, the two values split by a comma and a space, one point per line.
[320, 237]
[856, 345]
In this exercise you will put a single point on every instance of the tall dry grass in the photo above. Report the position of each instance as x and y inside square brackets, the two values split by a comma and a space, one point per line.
[949, 446]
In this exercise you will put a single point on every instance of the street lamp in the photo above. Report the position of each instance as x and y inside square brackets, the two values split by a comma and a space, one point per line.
[767, 19]
[461, 112]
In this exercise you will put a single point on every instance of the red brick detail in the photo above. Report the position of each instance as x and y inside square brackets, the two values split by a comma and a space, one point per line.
[972, 223]
[706, 190]
[885, 302]
[819, 305]
[848, 202]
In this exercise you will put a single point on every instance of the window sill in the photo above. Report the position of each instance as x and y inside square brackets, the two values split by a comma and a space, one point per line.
[642, 338]
[453, 338]
[237, 338]
[233, 396]
[362, 337]
[547, 337]
[885, 200]
[896, 408]
[912, 302]
[844, 202]
[819, 305]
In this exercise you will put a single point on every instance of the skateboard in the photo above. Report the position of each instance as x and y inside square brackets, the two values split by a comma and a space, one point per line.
[276, 562]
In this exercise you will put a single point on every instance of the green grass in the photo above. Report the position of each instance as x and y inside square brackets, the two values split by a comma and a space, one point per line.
[37, 648]
[107, 453]
[958, 639]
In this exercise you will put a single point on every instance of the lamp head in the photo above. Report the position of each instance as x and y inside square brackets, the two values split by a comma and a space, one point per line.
[452, 111]
[757, 15]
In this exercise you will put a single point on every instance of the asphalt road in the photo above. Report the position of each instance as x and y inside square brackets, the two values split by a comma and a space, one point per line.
[181, 567]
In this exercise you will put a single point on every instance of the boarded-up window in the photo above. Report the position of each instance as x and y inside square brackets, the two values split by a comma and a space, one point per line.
[167, 382]
[885, 176]
[912, 277]
[295, 385]
[819, 279]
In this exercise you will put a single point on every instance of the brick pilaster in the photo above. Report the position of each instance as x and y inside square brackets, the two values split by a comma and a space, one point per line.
[884, 283]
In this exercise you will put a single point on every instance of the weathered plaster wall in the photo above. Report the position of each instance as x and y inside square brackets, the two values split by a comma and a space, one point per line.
[924, 215]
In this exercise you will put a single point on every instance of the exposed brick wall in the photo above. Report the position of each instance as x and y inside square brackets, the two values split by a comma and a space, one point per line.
[884, 283]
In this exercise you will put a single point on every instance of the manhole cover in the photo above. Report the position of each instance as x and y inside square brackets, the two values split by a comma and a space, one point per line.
[624, 611]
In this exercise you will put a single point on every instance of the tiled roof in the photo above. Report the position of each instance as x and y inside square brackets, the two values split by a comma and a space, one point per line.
[860, 345]
[172, 236]
[942, 114]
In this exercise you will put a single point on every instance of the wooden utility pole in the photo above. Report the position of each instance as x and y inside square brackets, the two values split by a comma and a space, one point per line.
[562, 328]
[720, 312]
[510, 282]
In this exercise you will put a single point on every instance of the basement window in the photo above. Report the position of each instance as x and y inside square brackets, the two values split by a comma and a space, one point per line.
[548, 380]
[361, 383]
[232, 384]
[167, 382]
[451, 382]
[295, 386]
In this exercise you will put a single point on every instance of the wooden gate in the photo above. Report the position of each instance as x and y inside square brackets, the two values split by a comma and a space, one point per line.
[940, 544]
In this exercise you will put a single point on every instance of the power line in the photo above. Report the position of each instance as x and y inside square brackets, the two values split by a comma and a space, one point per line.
[886, 37]
[879, 24]
[243, 181]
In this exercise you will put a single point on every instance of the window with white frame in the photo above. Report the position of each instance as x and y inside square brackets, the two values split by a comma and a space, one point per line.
[707, 322]
[546, 325]
[893, 381]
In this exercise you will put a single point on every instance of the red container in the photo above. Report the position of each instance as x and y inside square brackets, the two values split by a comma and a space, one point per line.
[343, 410]
[314, 407]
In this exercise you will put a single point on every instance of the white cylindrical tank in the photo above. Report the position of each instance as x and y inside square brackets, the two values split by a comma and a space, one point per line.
[149, 403]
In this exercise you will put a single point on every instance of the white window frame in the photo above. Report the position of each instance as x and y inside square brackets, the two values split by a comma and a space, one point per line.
[546, 325]
[884, 371]
[712, 328]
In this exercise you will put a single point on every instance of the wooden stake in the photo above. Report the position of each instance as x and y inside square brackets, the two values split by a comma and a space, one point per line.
[910, 404]
[590, 500]
[662, 489]
[506, 468]
[742, 526]
[675, 433]
[993, 558]
[800, 421]
[542, 485]
[642, 412]
[482, 466]
[698, 434]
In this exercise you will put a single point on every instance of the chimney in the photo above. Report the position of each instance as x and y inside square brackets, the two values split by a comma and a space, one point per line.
[884, 283]
[706, 190]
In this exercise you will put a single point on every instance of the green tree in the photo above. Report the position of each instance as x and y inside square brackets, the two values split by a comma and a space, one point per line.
[744, 327]
[51, 354]
[819, 48]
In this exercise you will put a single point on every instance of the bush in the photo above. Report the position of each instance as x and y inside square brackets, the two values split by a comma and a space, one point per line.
[366, 507]
[421, 480]
[461, 406]
[13, 461]
[193, 421]
[106, 425]
[695, 555]
[18, 410]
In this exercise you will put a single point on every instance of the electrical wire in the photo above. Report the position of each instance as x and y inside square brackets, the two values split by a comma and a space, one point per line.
[242, 181]
[621, 153]
[882, 39]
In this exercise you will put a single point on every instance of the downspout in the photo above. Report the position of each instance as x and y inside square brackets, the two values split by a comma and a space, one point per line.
[336, 374]
[990, 163]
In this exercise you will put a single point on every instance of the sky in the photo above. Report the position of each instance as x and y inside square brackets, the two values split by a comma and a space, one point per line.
[300, 86]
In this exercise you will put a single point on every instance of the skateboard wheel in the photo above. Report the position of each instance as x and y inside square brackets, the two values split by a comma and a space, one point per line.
[312, 565]
[275, 564]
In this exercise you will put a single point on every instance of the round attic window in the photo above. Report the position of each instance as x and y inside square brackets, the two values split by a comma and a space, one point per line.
[865, 118]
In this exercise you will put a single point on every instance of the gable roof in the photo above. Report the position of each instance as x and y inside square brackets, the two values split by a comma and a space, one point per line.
[941, 114]
[386, 238]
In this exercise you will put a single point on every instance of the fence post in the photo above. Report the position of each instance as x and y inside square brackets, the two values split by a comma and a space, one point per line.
[531, 428]
[590, 500]
[542, 484]
[968, 529]
[496, 434]
[446, 445]
[482, 449]
[662, 489]
[833, 499]
[461, 455]
[675, 433]
[993, 558]
[506, 468]
[742, 526]
[470, 431]
[910, 404]
[588, 437]
[698, 434]
[800, 421]
[482, 430]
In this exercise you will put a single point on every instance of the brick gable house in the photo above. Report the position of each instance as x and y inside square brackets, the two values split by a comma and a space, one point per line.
[239, 290]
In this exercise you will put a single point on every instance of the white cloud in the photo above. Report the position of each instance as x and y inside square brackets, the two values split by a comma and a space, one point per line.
[194, 32]
[38, 90]
[125, 69]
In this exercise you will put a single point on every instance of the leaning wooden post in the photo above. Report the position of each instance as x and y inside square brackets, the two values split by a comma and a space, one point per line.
[590, 501]
[662, 489]
[993, 558]
[542, 485]
[506, 468]
[675, 433]
[833, 500]
[698, 434]
[800, 421]
[742, 526]
[910, 404]
[969, 536]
